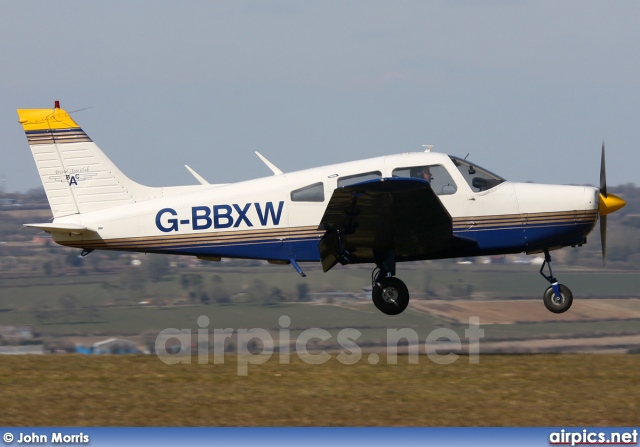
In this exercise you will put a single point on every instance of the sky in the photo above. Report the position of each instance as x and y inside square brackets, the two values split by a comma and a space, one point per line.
[529, 89]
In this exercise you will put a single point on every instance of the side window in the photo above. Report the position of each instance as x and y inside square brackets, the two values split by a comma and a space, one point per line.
[310, 193]
[351, 179]
[440, 179]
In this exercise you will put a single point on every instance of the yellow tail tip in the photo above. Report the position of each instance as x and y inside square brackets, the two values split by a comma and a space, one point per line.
[45, 119]
[610, 204]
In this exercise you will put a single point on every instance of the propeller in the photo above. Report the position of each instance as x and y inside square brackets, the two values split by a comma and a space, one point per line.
[608, 204]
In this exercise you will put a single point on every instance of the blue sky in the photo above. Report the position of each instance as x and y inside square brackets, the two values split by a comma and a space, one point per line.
[528, 89]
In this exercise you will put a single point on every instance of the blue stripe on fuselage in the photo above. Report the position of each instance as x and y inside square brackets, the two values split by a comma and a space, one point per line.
[515, 239]
[525, 238]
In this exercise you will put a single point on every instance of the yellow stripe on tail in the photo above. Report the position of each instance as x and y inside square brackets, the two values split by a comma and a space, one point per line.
[45, 119]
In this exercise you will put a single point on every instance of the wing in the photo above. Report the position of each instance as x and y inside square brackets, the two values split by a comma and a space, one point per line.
[400, 215]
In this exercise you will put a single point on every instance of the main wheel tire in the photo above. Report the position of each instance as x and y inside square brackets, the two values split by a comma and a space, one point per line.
[391, 296]
[558, 306]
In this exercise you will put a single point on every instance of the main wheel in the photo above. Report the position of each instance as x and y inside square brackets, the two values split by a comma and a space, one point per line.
[390, 295]
[561, 304]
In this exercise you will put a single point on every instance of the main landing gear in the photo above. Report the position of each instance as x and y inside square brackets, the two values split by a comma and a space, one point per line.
[390, 295]
[557, 298]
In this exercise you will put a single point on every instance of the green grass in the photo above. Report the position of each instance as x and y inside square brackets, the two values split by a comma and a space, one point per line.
[499, 281]
[135, 320]
[502, 390]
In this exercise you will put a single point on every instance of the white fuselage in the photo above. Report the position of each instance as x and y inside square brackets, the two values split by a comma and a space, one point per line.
[277, 217]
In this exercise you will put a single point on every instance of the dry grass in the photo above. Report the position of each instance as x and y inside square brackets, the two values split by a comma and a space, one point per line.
[539, 390]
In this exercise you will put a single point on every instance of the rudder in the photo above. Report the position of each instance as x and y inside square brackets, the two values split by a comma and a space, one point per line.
[77, 176]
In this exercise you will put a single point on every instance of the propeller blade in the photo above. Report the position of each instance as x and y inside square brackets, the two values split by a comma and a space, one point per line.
[603, 217]
[603, 175]
[608, 203]
[603, 237]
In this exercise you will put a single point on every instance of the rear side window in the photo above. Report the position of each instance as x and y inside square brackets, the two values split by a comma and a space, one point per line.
[310, 193]
[351, 179]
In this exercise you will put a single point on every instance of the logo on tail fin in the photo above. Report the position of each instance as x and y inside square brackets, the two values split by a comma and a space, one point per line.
[73, 175]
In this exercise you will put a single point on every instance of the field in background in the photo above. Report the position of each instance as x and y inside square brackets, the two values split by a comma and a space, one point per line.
[506, 298]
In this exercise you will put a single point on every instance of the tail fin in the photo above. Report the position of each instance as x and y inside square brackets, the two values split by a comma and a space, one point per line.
[77, 176]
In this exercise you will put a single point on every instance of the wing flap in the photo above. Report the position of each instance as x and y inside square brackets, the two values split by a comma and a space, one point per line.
[402, 215]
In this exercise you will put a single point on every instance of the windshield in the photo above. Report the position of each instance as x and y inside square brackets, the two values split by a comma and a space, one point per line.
[479, 179]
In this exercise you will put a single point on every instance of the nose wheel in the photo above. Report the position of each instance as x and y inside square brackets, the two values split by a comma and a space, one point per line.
[558, 303]
[558, 297]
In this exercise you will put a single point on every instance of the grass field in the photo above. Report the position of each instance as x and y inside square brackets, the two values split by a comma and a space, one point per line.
[501, 390]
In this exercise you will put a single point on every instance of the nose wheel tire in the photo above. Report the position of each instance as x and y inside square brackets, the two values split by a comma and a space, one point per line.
[559, 304]
[390, 295]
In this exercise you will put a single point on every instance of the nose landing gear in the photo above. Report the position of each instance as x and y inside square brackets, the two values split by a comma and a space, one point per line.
[557, 298]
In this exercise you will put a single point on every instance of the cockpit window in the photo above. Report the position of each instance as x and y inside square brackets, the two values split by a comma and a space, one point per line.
[441, 182]
[479, 179]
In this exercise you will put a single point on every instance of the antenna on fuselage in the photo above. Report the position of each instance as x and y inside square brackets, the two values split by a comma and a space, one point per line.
[270, 165]
[197, 176]
[427, 147]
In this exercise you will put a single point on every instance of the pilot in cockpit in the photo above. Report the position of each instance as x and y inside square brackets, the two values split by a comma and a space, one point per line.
[422, 172]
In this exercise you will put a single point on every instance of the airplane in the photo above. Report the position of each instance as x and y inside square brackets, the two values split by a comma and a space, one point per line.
[383, 210]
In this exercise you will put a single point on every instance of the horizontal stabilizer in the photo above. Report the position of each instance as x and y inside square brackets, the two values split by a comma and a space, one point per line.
[60, 228]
